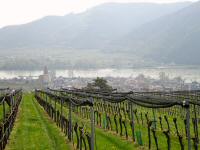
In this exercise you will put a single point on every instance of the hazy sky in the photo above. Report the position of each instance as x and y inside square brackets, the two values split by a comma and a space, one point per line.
[23, 11]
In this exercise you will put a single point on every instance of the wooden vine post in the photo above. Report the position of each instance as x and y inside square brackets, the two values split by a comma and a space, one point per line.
[196, 125]
[55, 117]
[4, 110]
[186, 105]
[46, 99]
[132, 122]
[70, 122]
[154, 118]
[92, 125]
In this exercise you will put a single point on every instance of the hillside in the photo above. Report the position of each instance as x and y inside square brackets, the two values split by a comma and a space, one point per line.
[90, 29]
[113, 34]
[170, 39]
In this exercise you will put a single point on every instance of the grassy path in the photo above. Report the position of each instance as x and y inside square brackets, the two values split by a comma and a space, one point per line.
[34, 130]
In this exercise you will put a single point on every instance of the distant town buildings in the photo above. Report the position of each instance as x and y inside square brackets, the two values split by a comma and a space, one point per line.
[47, 77]
[70, 73]
[139, 83]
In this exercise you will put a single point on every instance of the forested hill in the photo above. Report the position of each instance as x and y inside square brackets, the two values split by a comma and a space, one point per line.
[172, 38]
[91, 29]
[131, 33]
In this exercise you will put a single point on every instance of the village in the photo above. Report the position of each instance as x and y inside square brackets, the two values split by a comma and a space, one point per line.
[139, 83]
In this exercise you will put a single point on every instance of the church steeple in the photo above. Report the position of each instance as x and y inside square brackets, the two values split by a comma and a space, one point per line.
[45, 70]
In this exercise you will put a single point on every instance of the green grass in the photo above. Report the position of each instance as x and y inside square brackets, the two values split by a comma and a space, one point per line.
[34, 130]
[106, 140]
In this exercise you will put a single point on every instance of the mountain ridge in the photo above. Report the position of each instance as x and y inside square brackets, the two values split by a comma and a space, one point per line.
[167, 38]
[108, 35]
[100, 20]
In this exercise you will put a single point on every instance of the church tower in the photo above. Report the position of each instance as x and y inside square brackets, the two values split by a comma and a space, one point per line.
[45, 71]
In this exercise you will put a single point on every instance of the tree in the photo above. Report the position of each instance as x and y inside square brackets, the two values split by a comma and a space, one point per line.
[99, 84]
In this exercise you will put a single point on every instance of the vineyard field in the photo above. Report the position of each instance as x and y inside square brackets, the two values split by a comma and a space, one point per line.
[78, 119]
[34, 130]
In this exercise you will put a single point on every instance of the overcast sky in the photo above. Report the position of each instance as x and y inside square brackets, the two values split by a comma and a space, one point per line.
[23, 11]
